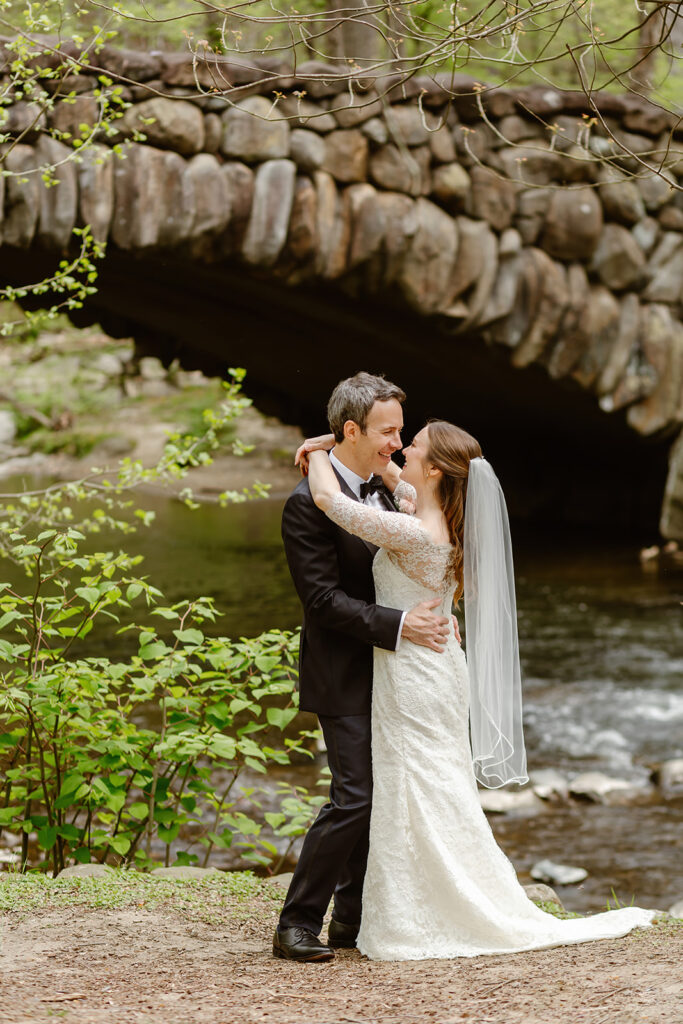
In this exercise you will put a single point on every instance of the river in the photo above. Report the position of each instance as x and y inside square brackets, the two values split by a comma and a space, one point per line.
[602, 663]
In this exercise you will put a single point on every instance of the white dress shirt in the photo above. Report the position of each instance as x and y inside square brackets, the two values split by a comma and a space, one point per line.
[354, 482]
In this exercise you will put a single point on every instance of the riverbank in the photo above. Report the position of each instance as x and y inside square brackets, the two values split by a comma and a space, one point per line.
[79, 398]
[159, 951]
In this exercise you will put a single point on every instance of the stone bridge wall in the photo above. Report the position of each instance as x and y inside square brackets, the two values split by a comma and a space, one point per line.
[530, 219]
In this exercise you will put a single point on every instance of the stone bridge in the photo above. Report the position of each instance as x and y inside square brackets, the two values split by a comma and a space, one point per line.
[514, 259]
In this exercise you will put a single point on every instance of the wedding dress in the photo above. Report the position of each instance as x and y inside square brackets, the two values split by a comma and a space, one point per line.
[437, 884]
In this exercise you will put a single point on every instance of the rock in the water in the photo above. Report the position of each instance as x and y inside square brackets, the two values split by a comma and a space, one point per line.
[540, 893]
[502, 801]
[86, 871]
[547, 783]
[602, 789]
[8, 426]
[186, 871]
[272, 205]
[671, 524]
[669, 776]
[174, 124]
[252, 131]
[559, 874]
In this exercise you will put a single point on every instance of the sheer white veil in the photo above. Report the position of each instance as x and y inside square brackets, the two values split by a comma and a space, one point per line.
[491, 633]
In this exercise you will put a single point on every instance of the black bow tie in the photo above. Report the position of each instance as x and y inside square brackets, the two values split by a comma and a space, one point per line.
[375, 483]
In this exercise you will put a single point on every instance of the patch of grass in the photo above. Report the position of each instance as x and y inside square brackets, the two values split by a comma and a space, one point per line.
[77, 443]
[238, 895]
[556, 910]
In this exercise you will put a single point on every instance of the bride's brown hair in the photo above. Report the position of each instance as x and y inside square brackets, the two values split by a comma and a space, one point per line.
[451, 449]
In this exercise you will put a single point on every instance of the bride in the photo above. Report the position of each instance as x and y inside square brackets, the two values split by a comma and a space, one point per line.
[437, 884]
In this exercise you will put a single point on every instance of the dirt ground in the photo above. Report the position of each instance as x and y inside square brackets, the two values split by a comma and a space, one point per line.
[204, 959]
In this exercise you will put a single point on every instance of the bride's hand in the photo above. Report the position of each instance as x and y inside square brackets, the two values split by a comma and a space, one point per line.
[325, 443]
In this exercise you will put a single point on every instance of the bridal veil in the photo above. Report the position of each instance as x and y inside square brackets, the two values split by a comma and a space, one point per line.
[491, 633]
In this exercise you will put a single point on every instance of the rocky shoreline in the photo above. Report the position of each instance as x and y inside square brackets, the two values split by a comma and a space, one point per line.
[81, 399]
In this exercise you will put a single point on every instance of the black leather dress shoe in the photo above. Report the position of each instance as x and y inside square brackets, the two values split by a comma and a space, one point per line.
[342, 936]
[300, 944]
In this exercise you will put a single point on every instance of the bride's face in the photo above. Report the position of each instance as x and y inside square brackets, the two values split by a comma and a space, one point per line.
[415, 454]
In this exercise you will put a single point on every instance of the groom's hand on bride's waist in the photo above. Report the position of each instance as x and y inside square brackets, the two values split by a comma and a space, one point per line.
[424, 627]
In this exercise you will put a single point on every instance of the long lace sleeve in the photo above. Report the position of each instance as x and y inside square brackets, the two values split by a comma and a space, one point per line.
[405, 490]
[390, 530]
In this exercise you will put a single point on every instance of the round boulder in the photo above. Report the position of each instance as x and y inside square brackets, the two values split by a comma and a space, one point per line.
[573, 224]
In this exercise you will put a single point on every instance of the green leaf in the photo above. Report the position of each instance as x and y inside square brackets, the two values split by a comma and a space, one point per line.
[155, 650]
[281, 717]
[69, 832]
[47, 837]
[133, 590]
[82, 855]
[189, 636]
[166, 613]
[121, 844]
[89, 594]
[7, 814]
[167, 835]
[139, 810]
[238, 705]
[266, 662]
[223, 746]
[275, 820]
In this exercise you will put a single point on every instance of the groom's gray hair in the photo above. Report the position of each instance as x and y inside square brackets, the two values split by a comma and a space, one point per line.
[353, 398]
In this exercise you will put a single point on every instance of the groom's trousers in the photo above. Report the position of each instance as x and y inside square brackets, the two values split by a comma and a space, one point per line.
[335, 851]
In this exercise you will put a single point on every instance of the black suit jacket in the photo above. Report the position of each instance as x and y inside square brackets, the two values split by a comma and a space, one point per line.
[332, 573]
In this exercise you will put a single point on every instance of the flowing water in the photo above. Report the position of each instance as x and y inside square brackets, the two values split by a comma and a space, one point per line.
[602, 660]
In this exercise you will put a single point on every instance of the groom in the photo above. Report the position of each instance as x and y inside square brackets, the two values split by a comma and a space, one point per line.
[332, 573]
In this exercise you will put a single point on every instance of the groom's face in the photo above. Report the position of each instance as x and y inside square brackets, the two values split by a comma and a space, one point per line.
[382, 436]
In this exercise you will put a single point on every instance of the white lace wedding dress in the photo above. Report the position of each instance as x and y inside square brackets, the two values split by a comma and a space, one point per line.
[437, 883]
